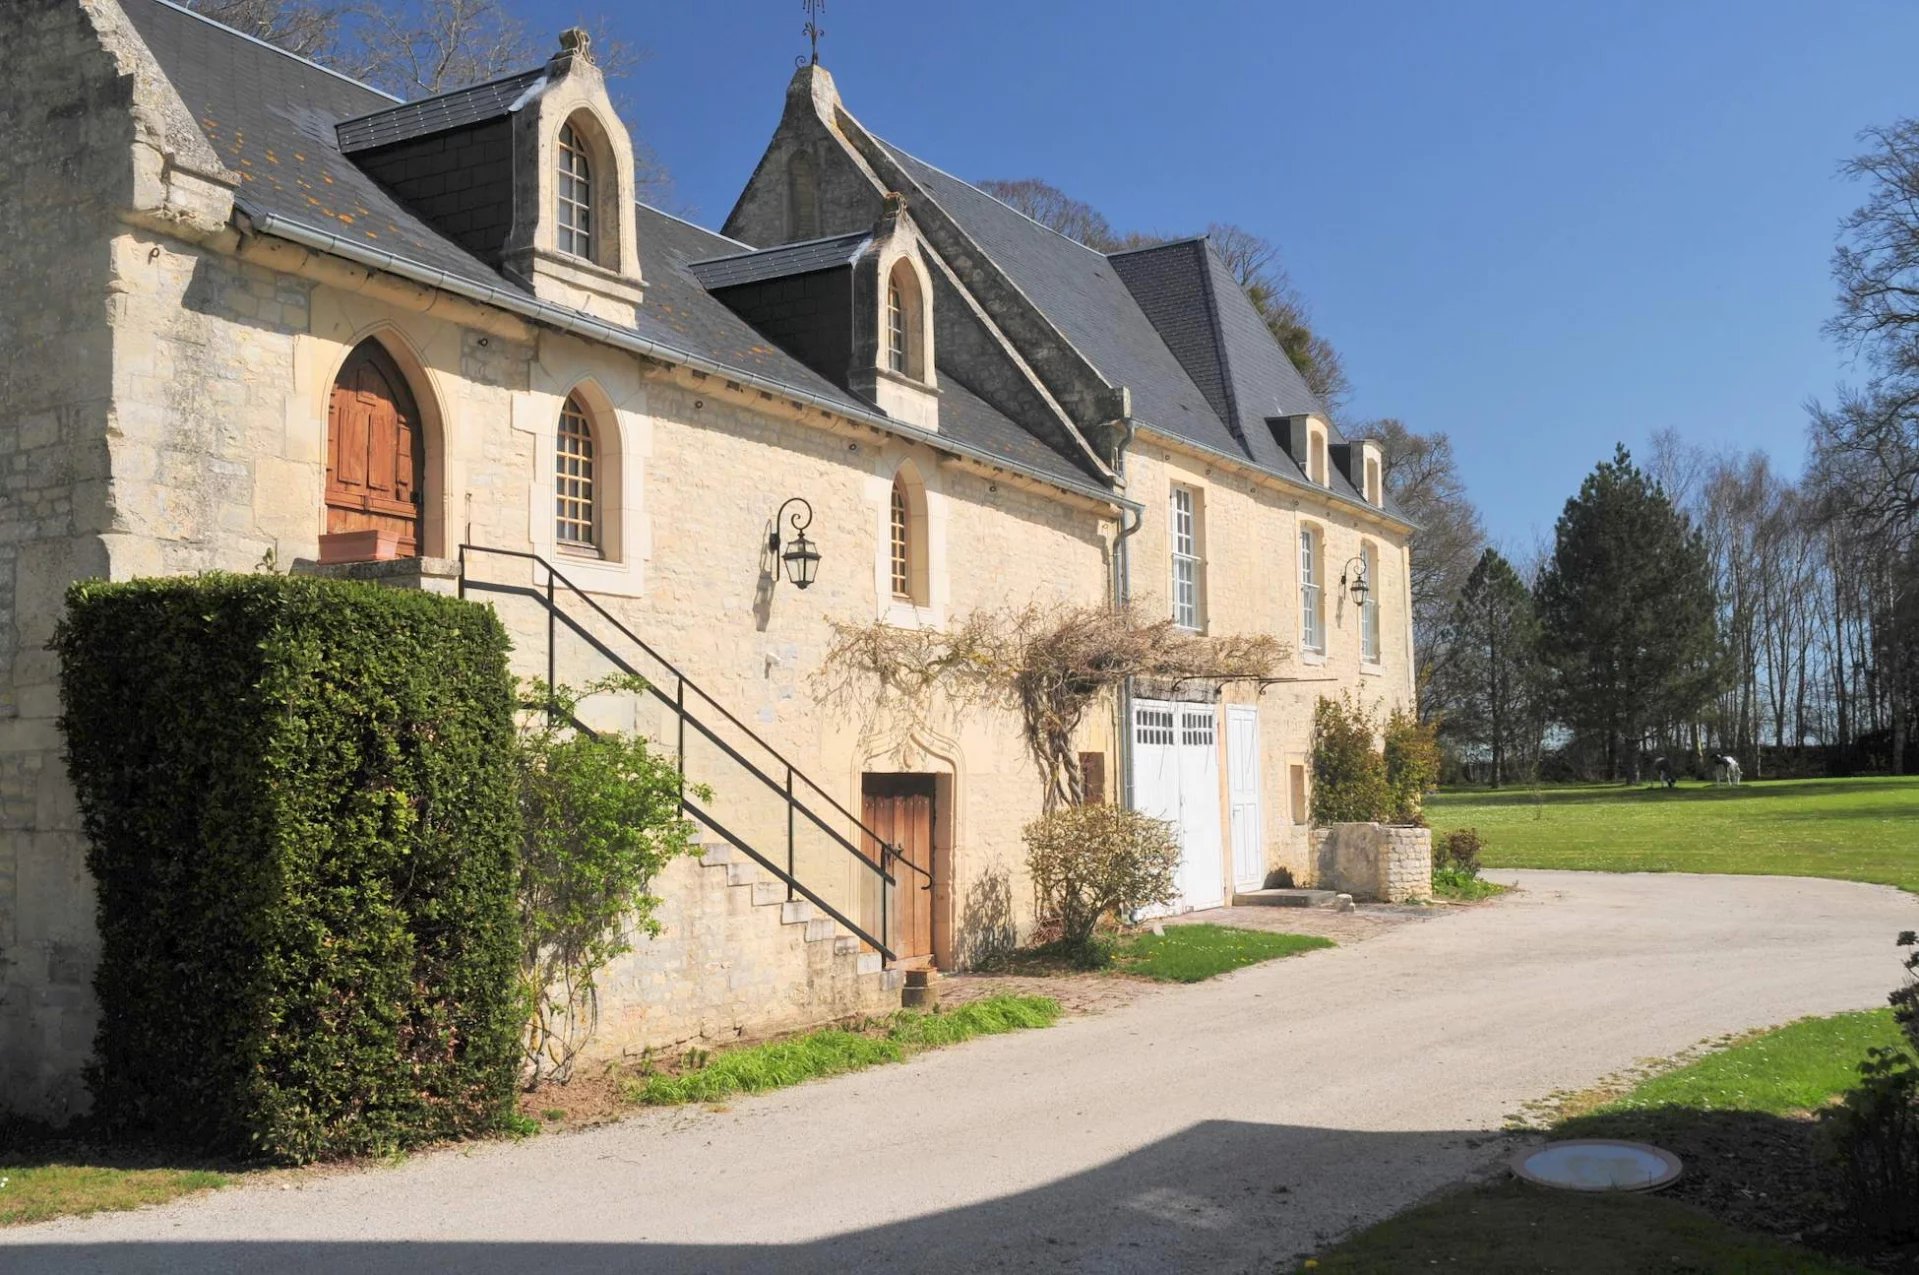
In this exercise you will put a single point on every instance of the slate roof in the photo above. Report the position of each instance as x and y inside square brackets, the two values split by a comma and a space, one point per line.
[778, 263]
[1170, 323]
[437, 114]
[1082, 295]
[277, 119]
[271, 117]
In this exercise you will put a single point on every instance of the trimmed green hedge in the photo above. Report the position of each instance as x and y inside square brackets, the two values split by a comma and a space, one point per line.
[300, 797]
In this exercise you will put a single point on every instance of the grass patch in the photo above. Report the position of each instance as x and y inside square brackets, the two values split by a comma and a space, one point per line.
[834, 1051]
[1849, 829]
[1738, 1116]
[1797, 1068]
[1455, 885]
[41, 1192]
[1192, 953]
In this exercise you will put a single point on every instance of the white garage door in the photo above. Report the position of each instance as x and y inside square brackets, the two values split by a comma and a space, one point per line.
[1176, 778]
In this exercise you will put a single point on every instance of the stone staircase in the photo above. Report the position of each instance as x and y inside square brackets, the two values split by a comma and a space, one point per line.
[735, 960]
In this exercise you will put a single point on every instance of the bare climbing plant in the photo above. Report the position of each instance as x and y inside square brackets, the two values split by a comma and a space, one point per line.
[1050, 665]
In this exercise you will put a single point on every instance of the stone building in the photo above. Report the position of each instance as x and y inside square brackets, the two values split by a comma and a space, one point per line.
[255, 312]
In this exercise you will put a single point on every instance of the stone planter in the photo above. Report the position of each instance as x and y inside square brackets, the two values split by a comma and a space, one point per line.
[1374, 862]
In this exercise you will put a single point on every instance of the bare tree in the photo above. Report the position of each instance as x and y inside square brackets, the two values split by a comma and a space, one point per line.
[1055, 209]
[1423, 479]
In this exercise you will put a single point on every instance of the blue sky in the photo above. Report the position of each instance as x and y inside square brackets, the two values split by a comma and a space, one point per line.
[1540, 228]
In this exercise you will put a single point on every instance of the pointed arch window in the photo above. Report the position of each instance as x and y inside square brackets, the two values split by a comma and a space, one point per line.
[905, 334]
[901, 553]
[574, 194]
[576, 480]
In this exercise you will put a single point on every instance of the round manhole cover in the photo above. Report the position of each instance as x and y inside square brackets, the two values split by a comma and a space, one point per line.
[1597, 1165]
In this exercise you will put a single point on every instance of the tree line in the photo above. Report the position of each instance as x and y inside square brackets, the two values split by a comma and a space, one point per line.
[1707, 604]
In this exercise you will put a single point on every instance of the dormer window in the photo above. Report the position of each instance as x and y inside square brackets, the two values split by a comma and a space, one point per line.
[905, 326]
[1317, 463]
[895, 327]
[1373, 492]
[574, 190]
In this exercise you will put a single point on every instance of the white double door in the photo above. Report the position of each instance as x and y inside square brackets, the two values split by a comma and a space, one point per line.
[1176, 778]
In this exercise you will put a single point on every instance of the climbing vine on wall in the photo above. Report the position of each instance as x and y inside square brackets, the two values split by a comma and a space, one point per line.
[1050, 665]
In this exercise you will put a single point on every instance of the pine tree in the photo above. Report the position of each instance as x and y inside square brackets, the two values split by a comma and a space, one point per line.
[1627, 613]
[1489, 688]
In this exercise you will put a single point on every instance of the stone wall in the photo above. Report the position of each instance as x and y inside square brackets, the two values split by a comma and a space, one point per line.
[1375, 863]
[1249, 534]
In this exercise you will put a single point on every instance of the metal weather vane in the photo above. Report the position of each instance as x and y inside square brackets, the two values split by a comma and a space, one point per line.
[813, 30]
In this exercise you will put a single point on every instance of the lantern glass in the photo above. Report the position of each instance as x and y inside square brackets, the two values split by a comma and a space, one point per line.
[802, 561]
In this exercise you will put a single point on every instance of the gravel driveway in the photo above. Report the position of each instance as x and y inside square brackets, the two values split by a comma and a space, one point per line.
[1227, 1126]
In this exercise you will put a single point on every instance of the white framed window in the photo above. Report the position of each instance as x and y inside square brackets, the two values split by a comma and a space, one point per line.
[895, 327]
[573, 194]
[1312, 596]
[576, 494]
[902, 544]
[1369, 609]
[1188, 568]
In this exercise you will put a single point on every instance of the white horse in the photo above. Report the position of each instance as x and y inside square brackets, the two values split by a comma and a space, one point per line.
[1726, 771]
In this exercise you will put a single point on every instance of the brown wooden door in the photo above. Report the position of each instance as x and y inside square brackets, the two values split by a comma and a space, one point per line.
[375, 453]
[899, 810]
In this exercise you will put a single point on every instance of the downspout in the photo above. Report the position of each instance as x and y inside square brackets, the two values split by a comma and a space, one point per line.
[1122, 597]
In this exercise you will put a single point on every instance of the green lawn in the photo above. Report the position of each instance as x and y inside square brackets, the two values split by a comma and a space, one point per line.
[777, 1064]
[1852, 829]
[40, 1191]
[1192, 953]
[1737, 1117]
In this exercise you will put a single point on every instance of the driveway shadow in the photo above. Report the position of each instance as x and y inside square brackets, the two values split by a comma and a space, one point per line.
[1220, 1196]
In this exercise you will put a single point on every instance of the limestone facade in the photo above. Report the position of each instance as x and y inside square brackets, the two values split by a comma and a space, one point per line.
[166, 368]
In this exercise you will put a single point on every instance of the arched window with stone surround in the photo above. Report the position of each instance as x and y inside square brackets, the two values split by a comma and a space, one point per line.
[905, 323]
[573, 193]
[577, 481]
[907, 574]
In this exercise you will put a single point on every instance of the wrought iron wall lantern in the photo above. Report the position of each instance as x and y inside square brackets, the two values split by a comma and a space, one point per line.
[1353, 580]
[801, 559]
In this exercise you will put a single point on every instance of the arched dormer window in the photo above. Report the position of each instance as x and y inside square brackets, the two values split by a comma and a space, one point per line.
[1317, 462]
[906, 557]
[905, 323]
[577, 481]
[573, 194]
[802, 197]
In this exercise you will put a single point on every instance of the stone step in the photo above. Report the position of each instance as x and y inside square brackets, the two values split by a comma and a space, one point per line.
[796, 912]
[767, 893]
[869, 963]
[893, 980]
[1331, 899]
[821, 928]
[716, 854]
[845, 943]
[743, 871]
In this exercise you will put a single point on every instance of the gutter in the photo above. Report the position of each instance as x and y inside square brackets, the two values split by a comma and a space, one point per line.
[585, 325]
[1122, 597]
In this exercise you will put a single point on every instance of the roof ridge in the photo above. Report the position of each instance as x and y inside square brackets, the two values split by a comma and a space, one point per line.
[751, 251]
[1155, 247]
[978, 189]
[285, 53]
[400, 103]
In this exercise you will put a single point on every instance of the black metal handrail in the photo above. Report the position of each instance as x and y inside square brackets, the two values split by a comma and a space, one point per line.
[684, 717]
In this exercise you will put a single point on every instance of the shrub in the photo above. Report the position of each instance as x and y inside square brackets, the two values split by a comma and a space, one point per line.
[1458, 851]
[1349, 774]
[600, 816]
[1089, 862]
[1412, 762]
[300, 801]
[1873, 1139]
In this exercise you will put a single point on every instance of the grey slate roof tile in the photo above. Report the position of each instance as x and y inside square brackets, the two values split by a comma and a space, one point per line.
[780, 262]
[437, 114]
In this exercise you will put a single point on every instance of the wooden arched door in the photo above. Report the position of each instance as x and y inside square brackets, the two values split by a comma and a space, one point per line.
[376, 455]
